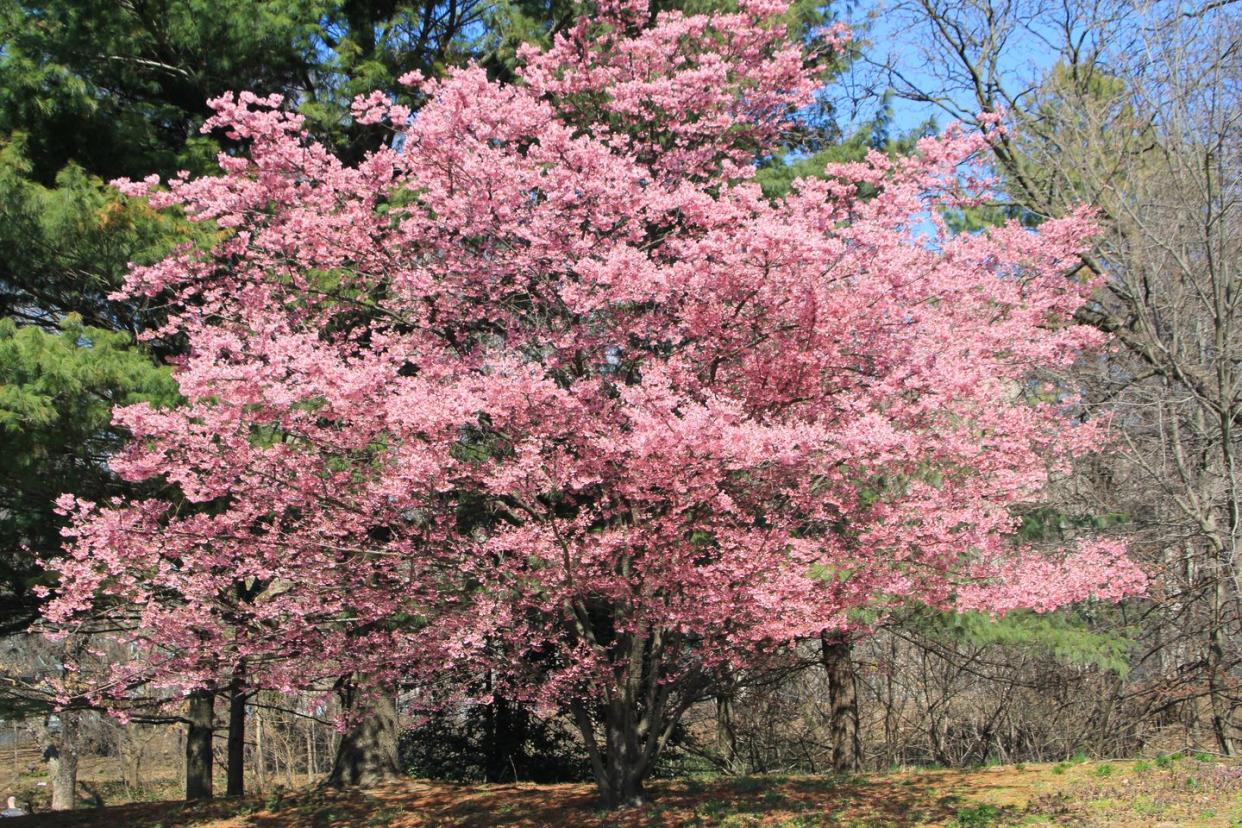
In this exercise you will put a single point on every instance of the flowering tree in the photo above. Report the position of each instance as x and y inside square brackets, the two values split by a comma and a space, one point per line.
[547, 382]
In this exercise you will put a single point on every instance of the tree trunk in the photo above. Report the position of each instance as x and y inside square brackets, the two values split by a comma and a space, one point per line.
[367, 754]
[503, 738]
[260, 764]
[619, 765]
[638, 717]
[60, 751]
[726, 733]
[634, 737]
[310, 753]
[237, 740]
[842, 702]
[63, 767]
[1221, 706]
[200, 715]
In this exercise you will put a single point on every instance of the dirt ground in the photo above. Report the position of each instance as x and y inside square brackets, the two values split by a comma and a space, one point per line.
[1159, 793]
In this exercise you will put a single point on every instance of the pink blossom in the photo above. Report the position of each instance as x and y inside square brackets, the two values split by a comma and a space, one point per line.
[558, 359]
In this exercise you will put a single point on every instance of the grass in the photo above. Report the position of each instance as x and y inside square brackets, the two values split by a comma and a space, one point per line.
[1078, 792]
[977, 816]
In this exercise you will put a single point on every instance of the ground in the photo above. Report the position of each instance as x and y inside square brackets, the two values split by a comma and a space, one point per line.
[1162, 793]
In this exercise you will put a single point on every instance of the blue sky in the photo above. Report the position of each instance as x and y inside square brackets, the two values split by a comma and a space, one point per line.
[888, 35]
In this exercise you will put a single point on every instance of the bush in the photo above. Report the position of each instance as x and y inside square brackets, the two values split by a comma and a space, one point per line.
[497, 742]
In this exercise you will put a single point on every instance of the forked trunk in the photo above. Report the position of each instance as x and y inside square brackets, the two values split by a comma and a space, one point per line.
[633, 738]
[637, 716]
[620, 764]
[200, 718]
[842, 702]
[367, 754]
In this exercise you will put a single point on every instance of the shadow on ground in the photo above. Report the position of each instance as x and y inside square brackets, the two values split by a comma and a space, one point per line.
[798, 801]
[1180, 792]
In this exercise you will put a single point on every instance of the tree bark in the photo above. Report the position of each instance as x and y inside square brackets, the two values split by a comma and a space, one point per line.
[1221, 705]
[260, 762]
[634, 737]
[200, 716]
[726, 733]
[310, 753]
[60, 751]
[637, 716]
[63, 768]
[504, 733]
[842, 702]
[619, 764]
[236, 785]
[367, 754]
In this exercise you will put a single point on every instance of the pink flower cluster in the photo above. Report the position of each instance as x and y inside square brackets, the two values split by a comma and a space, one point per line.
[550, 372]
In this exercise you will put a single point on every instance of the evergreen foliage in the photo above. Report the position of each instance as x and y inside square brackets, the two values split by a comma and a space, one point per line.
[57, 390]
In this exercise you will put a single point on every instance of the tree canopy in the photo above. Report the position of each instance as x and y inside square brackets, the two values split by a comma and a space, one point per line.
[546, 383]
